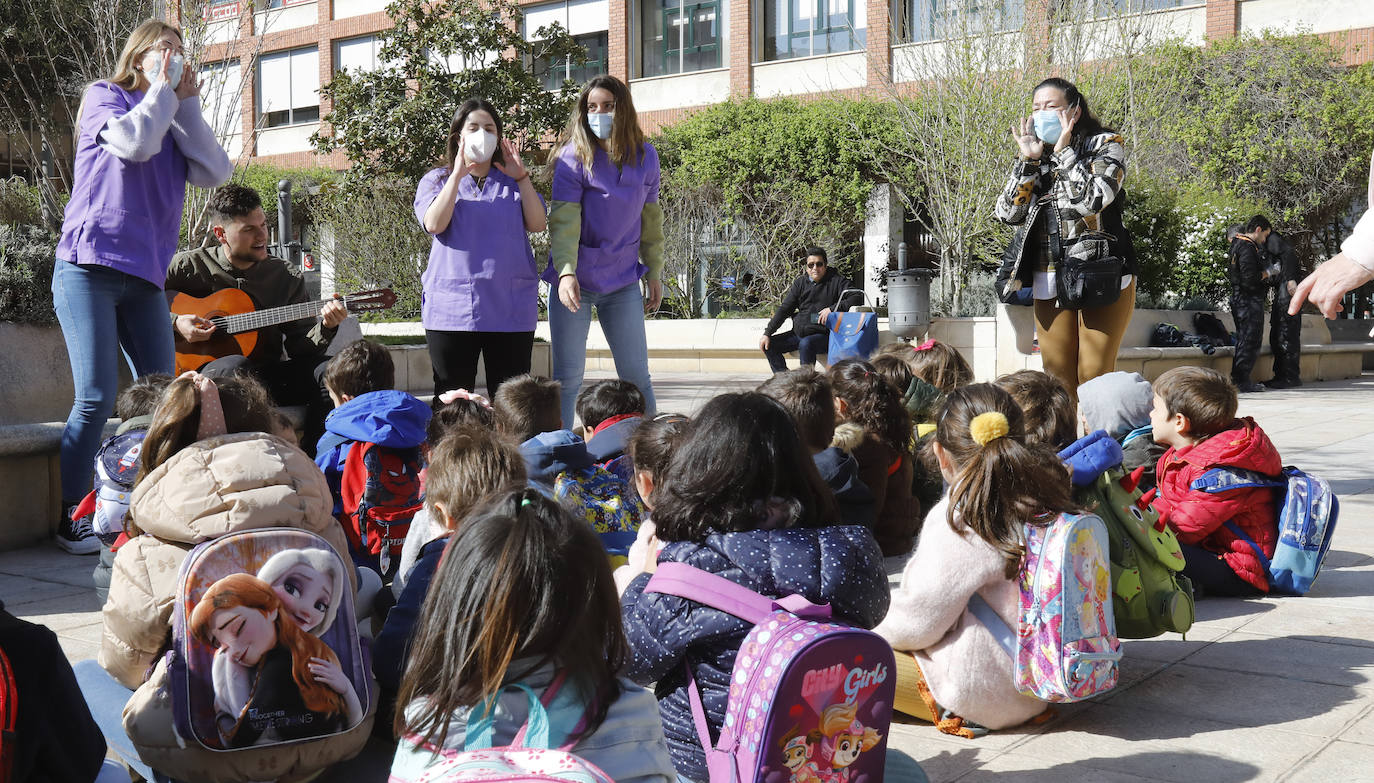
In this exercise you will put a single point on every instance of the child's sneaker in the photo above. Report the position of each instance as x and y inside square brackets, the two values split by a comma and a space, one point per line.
[76, 536]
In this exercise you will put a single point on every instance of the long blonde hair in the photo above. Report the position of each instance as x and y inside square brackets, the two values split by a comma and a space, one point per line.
[626, 143]
[140, 41]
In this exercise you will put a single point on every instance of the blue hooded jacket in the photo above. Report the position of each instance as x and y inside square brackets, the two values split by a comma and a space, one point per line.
[387, 418]
[550, 453]
[841, 566]
[609, 443]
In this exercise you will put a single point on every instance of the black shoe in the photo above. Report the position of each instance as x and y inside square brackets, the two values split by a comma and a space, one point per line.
[76, 537]
[1250, 388]
[1281, 383]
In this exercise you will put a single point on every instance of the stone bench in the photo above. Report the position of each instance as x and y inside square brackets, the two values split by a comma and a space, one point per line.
[1321, 359]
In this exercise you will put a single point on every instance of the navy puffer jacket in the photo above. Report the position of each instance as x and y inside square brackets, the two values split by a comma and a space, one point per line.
[842, 566]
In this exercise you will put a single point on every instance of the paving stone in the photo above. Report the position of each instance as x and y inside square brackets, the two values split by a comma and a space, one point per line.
[1171, 647]
[1296, 617]
[1033, 769]
[1339, 761]
[68, 611]
[1228, 613]
[48, 562]
[1164, 744]
[1334, 661]
[18, 590]
[1361, 730]
[1243, 699]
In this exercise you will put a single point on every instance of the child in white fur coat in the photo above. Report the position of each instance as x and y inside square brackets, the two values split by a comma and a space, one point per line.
[951, 671]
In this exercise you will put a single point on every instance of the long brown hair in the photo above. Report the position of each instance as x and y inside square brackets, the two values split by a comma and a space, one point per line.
[522, 580]
[626, 143]
[1004, 484]
[872, 403]
[251, 592]
[455, 131]
[247, 408]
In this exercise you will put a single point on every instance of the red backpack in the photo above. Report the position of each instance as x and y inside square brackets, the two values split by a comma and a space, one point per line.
[9, 718]
[381, 493]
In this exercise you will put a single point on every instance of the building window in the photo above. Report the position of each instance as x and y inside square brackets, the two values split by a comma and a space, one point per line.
[802, 28]
[936, 20]
[553, 72]
[678, 36]
[356, 54]
[221, 96]
[289, 87]
[1108, 8]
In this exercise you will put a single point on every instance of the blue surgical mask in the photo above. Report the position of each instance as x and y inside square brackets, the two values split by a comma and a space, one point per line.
[1047, 125]
[601, 124]
[152, 67]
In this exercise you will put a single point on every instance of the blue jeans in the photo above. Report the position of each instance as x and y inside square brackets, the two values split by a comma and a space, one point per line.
[103, 310]
[622, 321]
[106, 699]
[807, 348]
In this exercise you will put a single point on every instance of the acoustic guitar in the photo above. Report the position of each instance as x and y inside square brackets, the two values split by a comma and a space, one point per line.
[237, 321]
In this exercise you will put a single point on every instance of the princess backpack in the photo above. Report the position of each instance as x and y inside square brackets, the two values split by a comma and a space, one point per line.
[528, 759]
[809, 696]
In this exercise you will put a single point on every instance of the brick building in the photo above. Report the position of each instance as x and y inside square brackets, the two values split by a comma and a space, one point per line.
[677, 55]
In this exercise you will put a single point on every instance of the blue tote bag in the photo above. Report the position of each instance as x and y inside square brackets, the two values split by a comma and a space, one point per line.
[853, 335]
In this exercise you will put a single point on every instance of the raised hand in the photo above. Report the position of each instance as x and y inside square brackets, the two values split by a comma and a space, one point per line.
[513, 166]
[1023, 133]
[189, 85]
[1066, 123]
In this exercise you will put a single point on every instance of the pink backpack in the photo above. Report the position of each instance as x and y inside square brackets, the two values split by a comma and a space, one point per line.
[1065, 648]
[809, 699]
[528, 759]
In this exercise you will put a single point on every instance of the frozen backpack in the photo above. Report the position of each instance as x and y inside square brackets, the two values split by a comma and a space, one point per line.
[1065, 646]
[605, 501]
[116, 466]
[380, 493]
[528, 759]
[1308, 510]
[252, 610]
[1150, 594]
[807, 693]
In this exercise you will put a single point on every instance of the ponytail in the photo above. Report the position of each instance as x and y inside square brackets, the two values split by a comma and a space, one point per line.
[1002, 483]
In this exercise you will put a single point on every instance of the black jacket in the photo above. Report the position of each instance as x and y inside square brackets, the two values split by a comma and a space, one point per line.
[1245, 267]
[805, 299]
[1281, 250]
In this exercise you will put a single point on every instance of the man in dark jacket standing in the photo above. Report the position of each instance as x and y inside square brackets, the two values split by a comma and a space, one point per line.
[1246, 269]
[810, 299]
[1285, 331]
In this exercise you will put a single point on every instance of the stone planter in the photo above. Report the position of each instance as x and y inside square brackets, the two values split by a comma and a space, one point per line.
[415, 372]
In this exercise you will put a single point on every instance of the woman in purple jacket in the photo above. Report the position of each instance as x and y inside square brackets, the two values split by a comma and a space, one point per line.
[605, 233]
[481, 288]
[140, 140]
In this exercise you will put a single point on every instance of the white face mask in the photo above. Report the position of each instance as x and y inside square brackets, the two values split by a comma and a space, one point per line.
[152, 67]
[601, 124]
[479, 145]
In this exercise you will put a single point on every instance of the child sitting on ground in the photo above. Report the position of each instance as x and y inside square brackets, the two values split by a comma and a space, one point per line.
[527, 410]
[524, 597]
[184, 495]
[741, 499]
[869, 410]
[458, 409]
[1119, 403]
[467, 464]
[950, 668]
[1195, 416]
[939, 368]
[806, 395]
[368, 410]
[1050, 416]
[650, 447]
[610, 411]
[116, 464]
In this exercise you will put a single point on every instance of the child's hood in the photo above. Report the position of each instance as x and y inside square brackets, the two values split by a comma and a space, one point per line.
[1090, 456]
[387, 418]
[229, 483]
[550, 453]
[1117, 402]
[1243, 446]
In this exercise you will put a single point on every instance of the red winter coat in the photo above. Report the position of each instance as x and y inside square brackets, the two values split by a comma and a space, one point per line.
[1199, 518]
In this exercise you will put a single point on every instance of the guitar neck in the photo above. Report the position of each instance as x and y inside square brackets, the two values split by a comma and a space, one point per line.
[260, 319]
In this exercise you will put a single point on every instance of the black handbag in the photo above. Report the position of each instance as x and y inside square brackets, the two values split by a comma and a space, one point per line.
[1088, 274]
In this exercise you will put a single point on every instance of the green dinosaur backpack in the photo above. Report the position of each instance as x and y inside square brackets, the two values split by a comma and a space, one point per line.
[1151, 595]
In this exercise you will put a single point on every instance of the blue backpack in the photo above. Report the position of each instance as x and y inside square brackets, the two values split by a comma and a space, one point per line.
[1307, 519]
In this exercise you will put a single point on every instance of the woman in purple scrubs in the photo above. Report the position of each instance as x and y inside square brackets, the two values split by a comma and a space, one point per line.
[140, 138]
[481, 288]
[605, 233]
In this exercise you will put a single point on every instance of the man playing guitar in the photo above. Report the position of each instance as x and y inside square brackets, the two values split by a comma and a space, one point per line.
[240, 260]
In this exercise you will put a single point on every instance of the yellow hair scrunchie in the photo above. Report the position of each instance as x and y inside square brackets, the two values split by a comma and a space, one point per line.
[987, 427]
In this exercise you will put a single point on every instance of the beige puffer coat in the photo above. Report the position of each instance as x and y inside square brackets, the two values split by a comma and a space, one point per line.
[217, 486]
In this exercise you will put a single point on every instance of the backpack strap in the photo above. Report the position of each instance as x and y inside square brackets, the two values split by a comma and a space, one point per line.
[1226, 479]
[994, 623]
[1235, 529]
[717, 592]
[719, 763]
[534, 733]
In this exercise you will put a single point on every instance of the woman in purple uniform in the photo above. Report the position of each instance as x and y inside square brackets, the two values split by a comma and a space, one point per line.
[481, 288]
[140, 140]
[605, 234]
